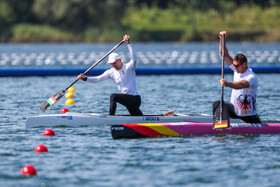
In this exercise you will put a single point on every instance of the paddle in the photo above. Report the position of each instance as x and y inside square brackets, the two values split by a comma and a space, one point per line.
[220, 112]
[53, 99]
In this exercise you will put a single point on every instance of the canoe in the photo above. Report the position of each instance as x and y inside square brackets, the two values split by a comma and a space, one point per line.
[94, 119]
[141, 130]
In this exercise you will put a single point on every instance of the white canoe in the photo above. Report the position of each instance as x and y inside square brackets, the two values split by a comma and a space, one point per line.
[93, 119]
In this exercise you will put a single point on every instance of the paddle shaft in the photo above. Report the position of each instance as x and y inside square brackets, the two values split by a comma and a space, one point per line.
[95, 64]
[223, 64]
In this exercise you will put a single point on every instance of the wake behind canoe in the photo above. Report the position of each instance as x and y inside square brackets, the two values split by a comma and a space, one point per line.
[189, 128]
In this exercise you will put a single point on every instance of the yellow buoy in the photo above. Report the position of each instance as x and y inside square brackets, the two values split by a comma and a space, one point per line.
[71, 89]
[69, 95]
[69, 102]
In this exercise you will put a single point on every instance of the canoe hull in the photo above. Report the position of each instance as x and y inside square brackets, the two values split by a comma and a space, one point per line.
[189, 128]
[92, 119]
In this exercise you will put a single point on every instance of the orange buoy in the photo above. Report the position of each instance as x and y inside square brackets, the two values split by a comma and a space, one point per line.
[64, 110]
[48, 132]
[28, 170]
[69, 95]
[71, 89]
[40, 149]
[69, 102]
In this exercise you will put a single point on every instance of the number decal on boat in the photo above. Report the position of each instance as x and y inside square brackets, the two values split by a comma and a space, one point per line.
[151, 118]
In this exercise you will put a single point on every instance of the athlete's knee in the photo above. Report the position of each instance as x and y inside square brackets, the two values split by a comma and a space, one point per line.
[113, 97]
[135, 112]
[215, 104]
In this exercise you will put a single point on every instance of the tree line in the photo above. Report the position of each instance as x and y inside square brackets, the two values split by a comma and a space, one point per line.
[78, 15]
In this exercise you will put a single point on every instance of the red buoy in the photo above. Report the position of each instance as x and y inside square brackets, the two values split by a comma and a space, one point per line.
[48, 132]
[28, 170]
[64, 110]
[40, 149]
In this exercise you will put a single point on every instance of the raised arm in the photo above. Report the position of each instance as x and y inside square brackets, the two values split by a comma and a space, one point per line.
[228, 58]
[131, 52]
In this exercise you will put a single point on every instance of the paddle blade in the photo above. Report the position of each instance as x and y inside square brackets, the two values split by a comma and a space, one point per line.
[51, 101]
[220, 119]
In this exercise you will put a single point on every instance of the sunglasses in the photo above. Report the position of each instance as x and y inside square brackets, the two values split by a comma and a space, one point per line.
[237, 65]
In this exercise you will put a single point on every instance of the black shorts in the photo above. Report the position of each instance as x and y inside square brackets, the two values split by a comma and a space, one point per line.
[131, 102]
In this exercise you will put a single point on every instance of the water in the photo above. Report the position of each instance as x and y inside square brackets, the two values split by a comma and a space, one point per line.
[88, 156]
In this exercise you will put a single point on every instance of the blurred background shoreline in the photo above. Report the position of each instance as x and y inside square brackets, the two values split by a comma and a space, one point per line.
[87, 21]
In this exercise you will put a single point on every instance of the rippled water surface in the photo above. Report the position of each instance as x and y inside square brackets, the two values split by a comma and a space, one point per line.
[88, 156]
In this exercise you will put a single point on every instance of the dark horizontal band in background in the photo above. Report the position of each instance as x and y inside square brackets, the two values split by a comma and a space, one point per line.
[139, 71]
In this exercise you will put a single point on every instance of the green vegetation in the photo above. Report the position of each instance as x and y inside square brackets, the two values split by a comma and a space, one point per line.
[42, 33]
[144, 20]
[253, 22]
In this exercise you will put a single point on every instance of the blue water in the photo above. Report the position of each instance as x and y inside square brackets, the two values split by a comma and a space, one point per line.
[88, 156]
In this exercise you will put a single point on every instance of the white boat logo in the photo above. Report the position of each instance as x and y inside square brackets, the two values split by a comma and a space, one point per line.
[236, 125]
[117, 128]
[66, 117]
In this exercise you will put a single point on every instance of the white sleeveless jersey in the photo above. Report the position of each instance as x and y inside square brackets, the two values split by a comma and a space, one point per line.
[244, 100]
